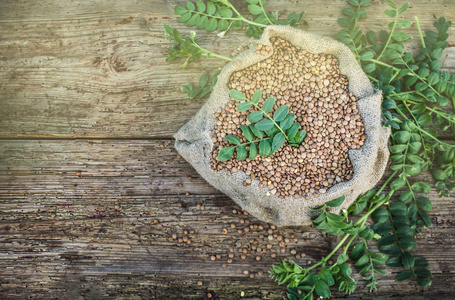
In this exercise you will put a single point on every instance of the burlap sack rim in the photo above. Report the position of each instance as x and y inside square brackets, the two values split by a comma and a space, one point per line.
[195, 136]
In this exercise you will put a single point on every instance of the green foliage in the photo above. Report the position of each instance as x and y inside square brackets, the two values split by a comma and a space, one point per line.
[186, 47]
[221, 15]
[414, 90]
[266, 133]
[206, 84]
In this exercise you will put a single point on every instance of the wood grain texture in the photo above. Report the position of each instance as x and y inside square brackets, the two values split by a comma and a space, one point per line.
[92, 190]
[93, 219]
[97, 68]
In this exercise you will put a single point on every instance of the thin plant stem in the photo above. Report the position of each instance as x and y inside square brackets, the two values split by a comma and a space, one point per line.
[265, 13]
[209, 53]
[389, 38]
[271, 119]
[420, 32]
[241, 17]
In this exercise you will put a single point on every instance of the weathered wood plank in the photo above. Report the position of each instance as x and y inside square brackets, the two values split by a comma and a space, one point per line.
[95, 219]
[97, 69]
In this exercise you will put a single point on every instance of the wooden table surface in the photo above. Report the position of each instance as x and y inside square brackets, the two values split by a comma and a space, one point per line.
[94, 200]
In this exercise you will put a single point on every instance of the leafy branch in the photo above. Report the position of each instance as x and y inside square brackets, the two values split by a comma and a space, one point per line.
[221, 15]
[271, 131]
[186, 47]
[206, 84]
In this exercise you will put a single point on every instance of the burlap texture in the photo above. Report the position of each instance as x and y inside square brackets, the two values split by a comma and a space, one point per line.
[194, 142]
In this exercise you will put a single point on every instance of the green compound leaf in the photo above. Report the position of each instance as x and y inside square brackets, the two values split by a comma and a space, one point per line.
[402, 137]
[287, 122]
[386, 240]
[407, 260]
[255, 9]
[380, 215]
[342, 258]
[268, 104]
[398, 209]
[264, 125]
[264, 148]
[357, 251]
[397, 149]
[200, 6]
[421, 187]
[278, 141]
[322, 289]
[403, 8]
[233, 139]
[281, 113]
[225, 153]
[180, 10]
[405, 275]
[211, 8]
[391, 13]
[424, 282]
[367, 55]
[211, 24]
[424, 203]
[244, 106]
[241, 153]
[253, 151]
[255, 116]
[190, 6]
[397, 184]
[403, 23]
[391, 4]
[247, 133]
[336, 202]
[256, 132]
[406, 197]
[291, 132]
[236, 95]
[256, 96]
[185, 17]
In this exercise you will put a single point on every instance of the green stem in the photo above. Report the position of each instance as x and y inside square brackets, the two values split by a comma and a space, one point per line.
[389, 38]
[416, 122]
[265, 13]
[346, 248]
[243, 18]
[376, 61]
[340, 243]
[421, 79]
[423, 131]
[420, 32]
[380, 203]
[255, 141]
[441, 113]
[270, 118]
[372, 78]
[209, 53]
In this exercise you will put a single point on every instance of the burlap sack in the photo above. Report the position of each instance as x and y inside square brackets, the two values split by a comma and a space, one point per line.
[194, 142]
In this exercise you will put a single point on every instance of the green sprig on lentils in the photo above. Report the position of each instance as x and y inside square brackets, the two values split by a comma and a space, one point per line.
[269, 132]
[416, 94]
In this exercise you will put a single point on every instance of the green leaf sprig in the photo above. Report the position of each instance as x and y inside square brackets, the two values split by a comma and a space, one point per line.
[266, 133]
[206, 84]
[186, 47]
[221, 15]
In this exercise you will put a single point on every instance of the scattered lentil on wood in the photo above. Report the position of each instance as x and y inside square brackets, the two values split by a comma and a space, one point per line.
[318, 94]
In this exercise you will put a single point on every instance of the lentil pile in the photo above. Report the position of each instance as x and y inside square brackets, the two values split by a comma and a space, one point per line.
[312, 86]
